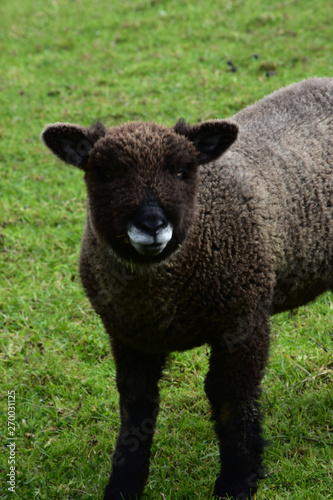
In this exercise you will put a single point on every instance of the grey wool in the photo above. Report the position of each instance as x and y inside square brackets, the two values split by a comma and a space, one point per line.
[197, 235]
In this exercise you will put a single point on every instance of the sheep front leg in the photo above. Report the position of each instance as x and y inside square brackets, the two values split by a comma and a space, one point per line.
[138, 374]
[233, 388]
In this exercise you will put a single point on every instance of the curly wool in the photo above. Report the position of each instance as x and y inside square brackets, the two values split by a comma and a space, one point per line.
[252, 235]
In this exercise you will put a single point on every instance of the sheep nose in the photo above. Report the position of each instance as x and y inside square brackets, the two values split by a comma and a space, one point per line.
[150, 218]
[152, 224]
[150, 230]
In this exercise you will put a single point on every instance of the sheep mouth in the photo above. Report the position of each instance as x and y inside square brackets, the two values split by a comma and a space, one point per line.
[149, 250]
[149, 244]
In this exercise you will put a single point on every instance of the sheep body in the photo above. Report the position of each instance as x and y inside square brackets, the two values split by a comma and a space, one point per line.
[291, 161]
[291, 228]
[251, 235]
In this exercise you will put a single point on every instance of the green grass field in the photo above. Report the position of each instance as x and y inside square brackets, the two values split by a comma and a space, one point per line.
[115, 60]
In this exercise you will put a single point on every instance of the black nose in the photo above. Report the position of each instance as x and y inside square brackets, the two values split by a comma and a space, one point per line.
[150, 218]
[152, 224]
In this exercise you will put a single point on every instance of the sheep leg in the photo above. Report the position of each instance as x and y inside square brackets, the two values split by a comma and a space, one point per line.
[138, 374]
[232, 386]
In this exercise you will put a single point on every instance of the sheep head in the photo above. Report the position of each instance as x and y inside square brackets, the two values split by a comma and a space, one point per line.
[142, 180]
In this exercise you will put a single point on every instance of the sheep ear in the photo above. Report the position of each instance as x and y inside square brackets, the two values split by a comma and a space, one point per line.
[72, 143]
[211, 138]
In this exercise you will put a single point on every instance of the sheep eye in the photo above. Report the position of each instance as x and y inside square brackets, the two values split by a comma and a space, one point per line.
[105, 175]
[182, 173]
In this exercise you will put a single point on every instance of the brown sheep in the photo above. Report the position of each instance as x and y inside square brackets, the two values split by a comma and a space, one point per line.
[195, 237]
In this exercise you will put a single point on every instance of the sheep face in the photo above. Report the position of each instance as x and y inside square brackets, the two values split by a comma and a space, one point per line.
[142, 180]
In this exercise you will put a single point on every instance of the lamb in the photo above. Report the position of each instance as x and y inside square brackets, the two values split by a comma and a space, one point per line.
[197, 235]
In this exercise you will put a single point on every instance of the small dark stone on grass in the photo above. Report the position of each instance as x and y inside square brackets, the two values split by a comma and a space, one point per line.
[53, 93]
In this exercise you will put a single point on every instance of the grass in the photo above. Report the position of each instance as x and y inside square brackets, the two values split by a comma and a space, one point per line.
[117, 61]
